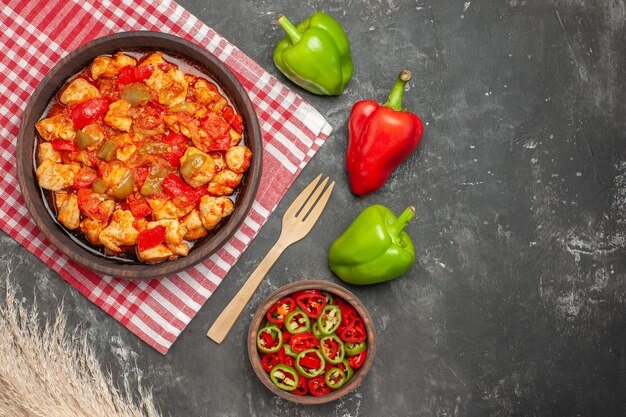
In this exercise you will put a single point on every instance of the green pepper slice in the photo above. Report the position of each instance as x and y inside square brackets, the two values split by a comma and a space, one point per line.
[316, 330]
[332, 349]
[107, 150]
[335, 378]
[347, 369]
[310, 363]
[191, 165]
[269, 339]
[329, 297]
[136, 93]
[284, 377]
[99, 186]
[83, 140]
[155, 148]
[354, 348]
[152, 185]
[329, 320]
[289, 351]
[125, 188]
[297, 322]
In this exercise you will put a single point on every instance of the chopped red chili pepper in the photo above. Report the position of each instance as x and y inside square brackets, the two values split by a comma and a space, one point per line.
[356, 361]
[348, 313]
[301, 389]
[303, 341]
[64, 145]
[278, 311]
[284, 358]
[311, 304]
[318, 387]
[354, 331]
[269, 360]
[88, 111]
[84, 178]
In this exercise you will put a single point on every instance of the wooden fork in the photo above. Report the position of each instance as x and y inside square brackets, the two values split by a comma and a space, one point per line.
[297, 222]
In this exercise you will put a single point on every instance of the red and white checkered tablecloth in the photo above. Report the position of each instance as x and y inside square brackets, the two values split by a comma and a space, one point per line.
[34, 36]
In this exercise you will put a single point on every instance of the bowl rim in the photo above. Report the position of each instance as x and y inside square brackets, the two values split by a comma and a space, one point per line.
[333, 288]
[82, 56]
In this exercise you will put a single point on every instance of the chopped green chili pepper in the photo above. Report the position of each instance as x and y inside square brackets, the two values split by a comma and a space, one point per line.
[297, 322]
[284, 377]
[83, 140]
[107, 150]
[332, 349]
[289, 351]
[152, 185]
[316, 330]
[329, 320]
[191, 165]
[155, 148]
[100, 186]
[125, 188]
[335, 378]
[136, 93]
[329, 297]
[310, 363]
[269, 339]
[354, 348]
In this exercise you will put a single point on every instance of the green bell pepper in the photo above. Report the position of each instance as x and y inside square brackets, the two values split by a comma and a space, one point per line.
[315, 55]
[375, 248]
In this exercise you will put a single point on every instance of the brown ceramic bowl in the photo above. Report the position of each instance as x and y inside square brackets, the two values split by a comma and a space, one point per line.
[259, 319]
[75, 62]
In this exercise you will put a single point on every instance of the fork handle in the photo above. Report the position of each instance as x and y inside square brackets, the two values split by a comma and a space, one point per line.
[222, 325]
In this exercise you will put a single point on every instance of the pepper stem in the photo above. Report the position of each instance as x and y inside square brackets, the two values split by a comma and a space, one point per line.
[403, 220]
[292, 32]
[395, 98]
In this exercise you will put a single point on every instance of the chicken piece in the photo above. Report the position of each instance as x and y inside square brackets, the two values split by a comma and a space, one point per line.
[45, 151]
[174, 230]
[220, 161]
[235, 137]
[120, 231]
[113, 173]
[170, 87]
[214, 209]
[107, 67]
[95, 206]
[91, 229]
[205, 93]
[125, 152]
[68, 212]
[224, 182]
[59, 126]
[155, 59]
[180, 249]
[55, 176]
[141, 224]
[204, 173]
[166, 209]
[238, 159]
[59, 199]
[194, 226]
[156, 254]
[96, 132]
[117, 116]
[79, 90]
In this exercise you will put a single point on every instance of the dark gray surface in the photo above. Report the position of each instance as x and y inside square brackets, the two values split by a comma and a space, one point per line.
[517, 304]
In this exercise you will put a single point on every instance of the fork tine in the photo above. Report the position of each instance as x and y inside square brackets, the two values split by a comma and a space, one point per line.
[318, 190]
[301, 198]
[312, 217]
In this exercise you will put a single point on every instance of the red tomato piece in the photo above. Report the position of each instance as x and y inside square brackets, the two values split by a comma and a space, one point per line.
[138, 205]
[150, 238]
[84, 178]
[215, 125]
[88, 111]
[64, 145]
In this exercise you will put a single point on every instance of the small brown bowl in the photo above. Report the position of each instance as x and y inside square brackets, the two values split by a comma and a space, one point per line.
[71, 65]
[259, 319]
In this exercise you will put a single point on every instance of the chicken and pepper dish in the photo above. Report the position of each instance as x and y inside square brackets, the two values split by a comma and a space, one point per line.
[140, 156]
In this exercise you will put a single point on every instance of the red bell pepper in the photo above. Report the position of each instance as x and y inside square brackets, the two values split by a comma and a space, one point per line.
[178, 144]
[138, 205]
[130, 74]
[235, 120]
[380, 138]
[88, 111]
[179, 190]
[64, 145]
[150, 238]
